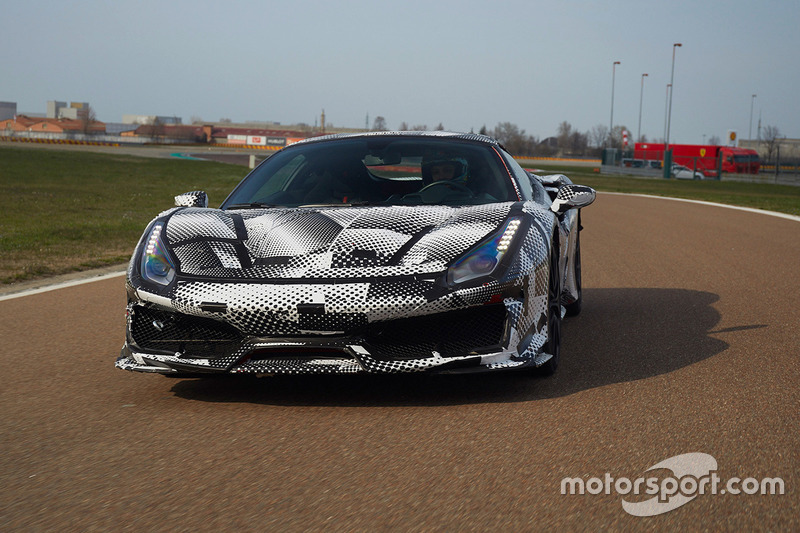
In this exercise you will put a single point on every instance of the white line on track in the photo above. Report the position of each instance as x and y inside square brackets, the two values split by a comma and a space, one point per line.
[738, 208]
[118, 274]
[62, 285]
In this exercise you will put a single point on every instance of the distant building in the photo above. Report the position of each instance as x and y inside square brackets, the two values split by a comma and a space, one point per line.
[8, 110]
[60, 110]
[150, 119]
[50, 125]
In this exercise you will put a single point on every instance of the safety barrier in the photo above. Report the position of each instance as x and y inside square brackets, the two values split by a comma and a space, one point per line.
[55, 141]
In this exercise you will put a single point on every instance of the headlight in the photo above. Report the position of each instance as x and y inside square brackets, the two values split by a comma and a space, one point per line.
[157, 265]
[484, 260]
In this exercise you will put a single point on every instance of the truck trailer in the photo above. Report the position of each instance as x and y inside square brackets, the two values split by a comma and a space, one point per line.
[704, 158]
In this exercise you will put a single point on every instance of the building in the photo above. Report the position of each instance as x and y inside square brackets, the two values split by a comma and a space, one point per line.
[784, 148]
[60, 110]
[8, 110]
[150, 119]
[22, 123]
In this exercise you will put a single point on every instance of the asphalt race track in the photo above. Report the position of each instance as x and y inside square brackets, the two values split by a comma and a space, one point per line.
[688, 342]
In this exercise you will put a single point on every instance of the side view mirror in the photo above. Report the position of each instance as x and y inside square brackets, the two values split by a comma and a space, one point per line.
[192, 199]
[571, 196]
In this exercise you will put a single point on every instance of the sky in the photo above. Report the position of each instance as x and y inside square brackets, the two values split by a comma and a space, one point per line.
[464, 64]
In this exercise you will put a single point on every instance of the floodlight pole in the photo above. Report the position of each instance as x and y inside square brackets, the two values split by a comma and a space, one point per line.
[672, 87]
[613, 76]
[641, 95]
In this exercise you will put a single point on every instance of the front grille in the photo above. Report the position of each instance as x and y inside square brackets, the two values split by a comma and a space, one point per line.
[193, 337]
[299, 353]
[458, 333]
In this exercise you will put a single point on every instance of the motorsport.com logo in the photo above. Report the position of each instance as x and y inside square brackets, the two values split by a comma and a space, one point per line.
[693, 474]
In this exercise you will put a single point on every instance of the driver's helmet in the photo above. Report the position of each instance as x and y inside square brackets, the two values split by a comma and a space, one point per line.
[444, 168]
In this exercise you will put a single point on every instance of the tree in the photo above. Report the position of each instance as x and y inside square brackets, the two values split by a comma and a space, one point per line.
[87, 118]
[379, 124]
[419, 127]
[714, 140]
[157, 130]
[615, 138]
[482, 131]
[564, 133]
[771, 138]
[515, 140]
[578, 142]
[404, 126]
[440, 127]
[598, 135]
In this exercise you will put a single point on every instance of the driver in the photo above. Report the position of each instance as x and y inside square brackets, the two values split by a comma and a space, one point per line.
[453, 169]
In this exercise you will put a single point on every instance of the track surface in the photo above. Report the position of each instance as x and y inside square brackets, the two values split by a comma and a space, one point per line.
[688, 342]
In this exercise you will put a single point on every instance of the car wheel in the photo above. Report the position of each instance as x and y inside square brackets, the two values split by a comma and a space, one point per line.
[574, 308]
[553, 344]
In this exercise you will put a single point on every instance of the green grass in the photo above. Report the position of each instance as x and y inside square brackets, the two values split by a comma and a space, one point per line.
[69, 210]
[781, 198]
[66, 211]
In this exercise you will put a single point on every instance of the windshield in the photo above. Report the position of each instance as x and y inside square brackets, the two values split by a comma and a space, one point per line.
[377, 171]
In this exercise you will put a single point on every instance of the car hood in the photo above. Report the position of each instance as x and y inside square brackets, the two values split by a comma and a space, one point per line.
[326, 243]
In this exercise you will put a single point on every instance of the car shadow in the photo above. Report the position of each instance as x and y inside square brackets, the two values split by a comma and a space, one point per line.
[621, 335]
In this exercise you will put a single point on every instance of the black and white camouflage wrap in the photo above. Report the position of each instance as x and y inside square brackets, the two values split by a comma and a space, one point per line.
[333, 290]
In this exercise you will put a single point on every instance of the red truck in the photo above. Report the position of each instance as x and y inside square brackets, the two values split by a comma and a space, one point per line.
[704, 158]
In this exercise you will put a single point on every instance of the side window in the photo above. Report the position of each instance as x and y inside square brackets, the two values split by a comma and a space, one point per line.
[521, 176]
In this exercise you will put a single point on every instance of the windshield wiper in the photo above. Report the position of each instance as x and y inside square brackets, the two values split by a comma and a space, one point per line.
[345, 204]
[251, 205]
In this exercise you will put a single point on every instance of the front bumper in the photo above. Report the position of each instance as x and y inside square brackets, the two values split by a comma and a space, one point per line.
[481, 338]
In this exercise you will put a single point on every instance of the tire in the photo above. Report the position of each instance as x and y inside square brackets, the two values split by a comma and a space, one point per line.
[574, 308]
[553, 344]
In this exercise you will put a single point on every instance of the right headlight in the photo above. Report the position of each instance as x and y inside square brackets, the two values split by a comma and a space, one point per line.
[483, 260]
[157, 265]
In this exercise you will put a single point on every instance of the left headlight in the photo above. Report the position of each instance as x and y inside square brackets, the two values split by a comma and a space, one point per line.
[483, 260]
[157, 265]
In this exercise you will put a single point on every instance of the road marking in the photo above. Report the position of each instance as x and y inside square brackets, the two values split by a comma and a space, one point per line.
[701, 202]
[118, 274]
[63, 285]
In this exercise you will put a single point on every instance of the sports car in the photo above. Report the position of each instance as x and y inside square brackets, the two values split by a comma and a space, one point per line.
[381, 252]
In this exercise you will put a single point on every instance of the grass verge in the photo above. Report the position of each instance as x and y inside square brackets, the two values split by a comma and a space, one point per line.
[66, 211]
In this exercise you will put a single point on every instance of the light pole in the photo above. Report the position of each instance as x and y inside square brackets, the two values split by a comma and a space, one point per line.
[750, 131]
[672, 86]
[613, 76]
[641, 94]
[666, 103]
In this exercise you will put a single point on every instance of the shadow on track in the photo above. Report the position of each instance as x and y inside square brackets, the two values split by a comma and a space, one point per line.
[621, 335]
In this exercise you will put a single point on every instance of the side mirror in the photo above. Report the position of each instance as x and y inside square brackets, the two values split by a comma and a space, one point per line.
[571, 196]
[192, 199]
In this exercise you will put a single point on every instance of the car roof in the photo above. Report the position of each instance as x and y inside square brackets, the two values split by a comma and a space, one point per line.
[475, 137]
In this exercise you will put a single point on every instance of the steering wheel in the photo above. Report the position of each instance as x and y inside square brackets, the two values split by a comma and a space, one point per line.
[451, 184]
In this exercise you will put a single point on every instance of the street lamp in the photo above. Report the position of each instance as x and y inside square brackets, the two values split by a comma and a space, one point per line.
[641, 94]
[613, 75]
[672, 86]
[750, 132]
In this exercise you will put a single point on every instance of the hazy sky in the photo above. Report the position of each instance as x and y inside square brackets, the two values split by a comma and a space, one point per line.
[462, 63]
